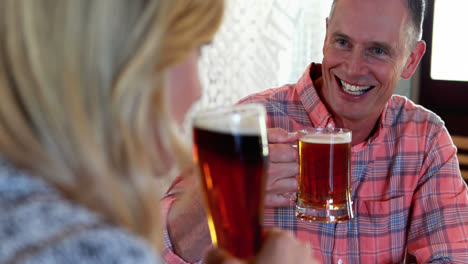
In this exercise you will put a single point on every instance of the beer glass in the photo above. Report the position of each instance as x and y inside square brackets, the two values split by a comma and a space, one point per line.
[324, 192]
[231, 151]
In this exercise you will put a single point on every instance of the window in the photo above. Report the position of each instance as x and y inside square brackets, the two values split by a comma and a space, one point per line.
[449, 56]
[444, 68]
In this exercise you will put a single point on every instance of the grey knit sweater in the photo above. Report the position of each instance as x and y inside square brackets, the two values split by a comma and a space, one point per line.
[38, 226]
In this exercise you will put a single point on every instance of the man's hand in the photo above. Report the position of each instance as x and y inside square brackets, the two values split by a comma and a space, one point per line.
[283, 168]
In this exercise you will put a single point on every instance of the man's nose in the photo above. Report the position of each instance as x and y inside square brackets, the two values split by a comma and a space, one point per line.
[356, 63]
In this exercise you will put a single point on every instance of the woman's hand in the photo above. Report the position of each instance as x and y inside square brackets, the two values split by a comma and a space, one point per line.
[280, 247]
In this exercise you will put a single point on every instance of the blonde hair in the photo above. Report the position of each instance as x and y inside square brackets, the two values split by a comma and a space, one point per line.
[82, 98]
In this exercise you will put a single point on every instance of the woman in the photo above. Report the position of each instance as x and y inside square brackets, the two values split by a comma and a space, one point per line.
[87, 136]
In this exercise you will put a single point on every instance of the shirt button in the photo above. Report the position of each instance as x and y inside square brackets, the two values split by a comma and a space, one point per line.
[340, 261]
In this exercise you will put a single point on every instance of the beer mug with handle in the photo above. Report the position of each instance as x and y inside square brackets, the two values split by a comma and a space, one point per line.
[324, 175]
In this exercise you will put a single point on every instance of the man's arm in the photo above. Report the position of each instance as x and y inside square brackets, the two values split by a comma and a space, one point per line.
[438, 230]
[187, 227]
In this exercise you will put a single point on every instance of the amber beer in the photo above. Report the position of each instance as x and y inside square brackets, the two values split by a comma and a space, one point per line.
[233, 165]
[324, 178]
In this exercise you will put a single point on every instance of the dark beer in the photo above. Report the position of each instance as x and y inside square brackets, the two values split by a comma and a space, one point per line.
[233, 168]
[324, 177]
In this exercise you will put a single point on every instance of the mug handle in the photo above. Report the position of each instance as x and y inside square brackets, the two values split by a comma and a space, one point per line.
[292, 196]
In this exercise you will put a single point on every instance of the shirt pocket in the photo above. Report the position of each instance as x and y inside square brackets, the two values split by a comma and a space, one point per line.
[382, 226]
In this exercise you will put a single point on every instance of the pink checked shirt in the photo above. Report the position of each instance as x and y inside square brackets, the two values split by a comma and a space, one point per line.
[410, 200]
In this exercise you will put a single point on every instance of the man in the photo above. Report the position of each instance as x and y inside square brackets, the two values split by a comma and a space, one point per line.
[409, 198]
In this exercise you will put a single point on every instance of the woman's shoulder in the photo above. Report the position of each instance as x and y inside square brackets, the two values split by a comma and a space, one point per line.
[38, 226]
[102, 244]
[17, 185]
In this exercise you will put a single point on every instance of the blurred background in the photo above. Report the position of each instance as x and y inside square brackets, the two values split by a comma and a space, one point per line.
[268, 43]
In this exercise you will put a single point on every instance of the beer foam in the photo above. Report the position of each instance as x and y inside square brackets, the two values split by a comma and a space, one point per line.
[246, 126]
[326, 138]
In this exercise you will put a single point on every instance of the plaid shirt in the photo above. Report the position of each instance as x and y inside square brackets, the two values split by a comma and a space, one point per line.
[410, 200]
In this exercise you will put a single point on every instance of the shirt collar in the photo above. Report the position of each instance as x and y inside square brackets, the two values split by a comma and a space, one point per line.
[307, 92]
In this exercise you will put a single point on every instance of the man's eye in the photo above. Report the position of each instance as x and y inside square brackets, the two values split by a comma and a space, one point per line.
[342, 42]
[379, 51]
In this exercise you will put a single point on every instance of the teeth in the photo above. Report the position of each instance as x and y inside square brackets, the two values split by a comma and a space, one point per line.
[354, 89]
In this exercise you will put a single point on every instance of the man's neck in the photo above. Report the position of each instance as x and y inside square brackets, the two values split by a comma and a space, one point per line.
[361, 129]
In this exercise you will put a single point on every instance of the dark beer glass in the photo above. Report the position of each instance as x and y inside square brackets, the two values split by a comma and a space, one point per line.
[324, 178]
[231, 150]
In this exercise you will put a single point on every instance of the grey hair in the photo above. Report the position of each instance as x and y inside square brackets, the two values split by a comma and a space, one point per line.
[416, 9]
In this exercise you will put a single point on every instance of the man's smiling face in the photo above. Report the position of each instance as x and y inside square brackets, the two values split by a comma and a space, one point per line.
[365, 54]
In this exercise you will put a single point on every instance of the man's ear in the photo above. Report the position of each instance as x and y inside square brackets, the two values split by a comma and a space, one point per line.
[414, 59]
[326, 35]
